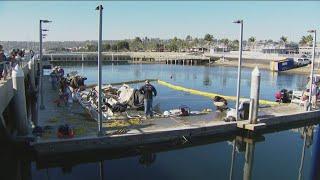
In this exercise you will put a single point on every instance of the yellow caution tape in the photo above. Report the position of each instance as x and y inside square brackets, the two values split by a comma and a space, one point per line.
[207, 94]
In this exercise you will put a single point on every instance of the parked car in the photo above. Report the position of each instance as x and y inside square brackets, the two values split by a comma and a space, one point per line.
[302, 61]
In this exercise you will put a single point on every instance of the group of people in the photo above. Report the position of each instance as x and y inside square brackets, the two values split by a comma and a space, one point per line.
[7, 63]
[67, 86]
[58, 80]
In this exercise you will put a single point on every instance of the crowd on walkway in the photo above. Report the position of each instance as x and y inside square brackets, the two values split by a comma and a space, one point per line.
[8, 62]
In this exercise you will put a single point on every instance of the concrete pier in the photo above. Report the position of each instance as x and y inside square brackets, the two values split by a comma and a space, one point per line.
[19, 101]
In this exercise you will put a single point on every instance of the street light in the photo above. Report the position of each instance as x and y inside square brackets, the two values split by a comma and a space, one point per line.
[309, 107]
[40, 61]
[239, 66]
[100, 8]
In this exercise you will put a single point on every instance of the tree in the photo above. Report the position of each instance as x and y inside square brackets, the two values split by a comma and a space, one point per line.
[137, 39]
[106, 47]
[173, 44]
[208, 38]
[123, 45]
[306, 40]
[283, 40]
[234, 45]
[188, 38]
[225, 41]
[136, 44]
[251, 41]
[91, 47]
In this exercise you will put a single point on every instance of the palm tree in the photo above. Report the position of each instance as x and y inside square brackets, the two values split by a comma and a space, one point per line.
[283, 40]
[306, 40]
[251, 41]
[208, 37]
[225, 41]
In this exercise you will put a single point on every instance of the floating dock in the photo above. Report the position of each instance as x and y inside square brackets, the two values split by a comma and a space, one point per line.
[128, 133]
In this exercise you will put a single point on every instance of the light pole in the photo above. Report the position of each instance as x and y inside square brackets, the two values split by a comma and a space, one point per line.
[40, 61]
[100, 8]
[309, 107]
[239, 66]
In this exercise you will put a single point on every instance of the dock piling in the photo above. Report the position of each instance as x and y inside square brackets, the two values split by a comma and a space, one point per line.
[19, 101]
[254, 95]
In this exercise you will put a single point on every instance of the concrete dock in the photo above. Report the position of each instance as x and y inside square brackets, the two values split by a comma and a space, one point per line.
[126, 134]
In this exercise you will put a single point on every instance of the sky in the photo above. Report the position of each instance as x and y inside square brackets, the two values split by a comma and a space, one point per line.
[78, 20]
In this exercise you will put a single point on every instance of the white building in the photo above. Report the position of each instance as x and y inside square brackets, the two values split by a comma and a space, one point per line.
[308, 50]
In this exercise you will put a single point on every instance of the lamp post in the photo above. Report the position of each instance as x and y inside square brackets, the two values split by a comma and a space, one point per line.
[40, 61]
[239, 66]
[100, 8]
[309, 107]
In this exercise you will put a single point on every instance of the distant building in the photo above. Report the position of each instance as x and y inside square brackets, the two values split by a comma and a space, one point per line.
[198, 49]
[218, 49]
[307, 50]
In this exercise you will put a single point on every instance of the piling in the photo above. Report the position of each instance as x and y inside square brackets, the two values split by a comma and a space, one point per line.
[254, 95]
[19, 101]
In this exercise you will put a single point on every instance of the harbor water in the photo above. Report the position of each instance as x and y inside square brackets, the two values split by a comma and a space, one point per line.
[288, 154]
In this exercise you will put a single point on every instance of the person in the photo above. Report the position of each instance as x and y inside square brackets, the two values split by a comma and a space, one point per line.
[63, 92]
[314, 93]
[54, 78]
[77, 83]
[2, 60]
[12, 59]
[148, 91]
[60, 71]
[31, 53]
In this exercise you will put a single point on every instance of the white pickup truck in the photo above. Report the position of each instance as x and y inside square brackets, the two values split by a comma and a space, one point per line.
[302, 61]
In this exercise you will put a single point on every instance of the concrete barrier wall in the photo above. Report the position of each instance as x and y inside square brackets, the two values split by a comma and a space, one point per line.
[6, 94]
[6, 89]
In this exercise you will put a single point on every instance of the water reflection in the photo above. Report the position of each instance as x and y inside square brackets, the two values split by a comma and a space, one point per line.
[206, 77]
[248, 161]
[315, 168]
[242, 160]
[147, 158]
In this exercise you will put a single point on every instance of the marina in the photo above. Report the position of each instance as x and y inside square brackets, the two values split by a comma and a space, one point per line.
[137, 131]
[115, 90]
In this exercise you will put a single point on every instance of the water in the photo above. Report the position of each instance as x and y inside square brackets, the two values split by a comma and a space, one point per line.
[275, 156]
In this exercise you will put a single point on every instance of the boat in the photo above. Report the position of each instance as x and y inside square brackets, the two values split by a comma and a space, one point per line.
[121, 102]
[282, 64]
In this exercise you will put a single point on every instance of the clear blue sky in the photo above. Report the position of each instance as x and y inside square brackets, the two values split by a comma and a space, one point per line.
[78, 20]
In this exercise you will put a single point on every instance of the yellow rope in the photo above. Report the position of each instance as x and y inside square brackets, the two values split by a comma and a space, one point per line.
[207, 94]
